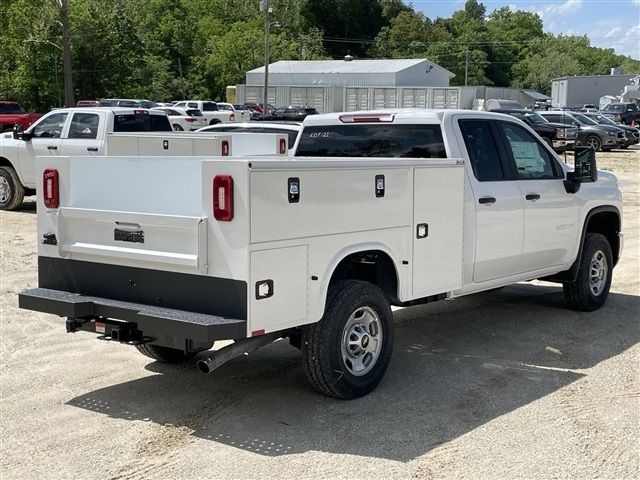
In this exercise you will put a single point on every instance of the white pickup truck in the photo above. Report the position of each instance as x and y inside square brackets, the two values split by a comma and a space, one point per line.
[377, 209]
[210, 111]
[109, 132]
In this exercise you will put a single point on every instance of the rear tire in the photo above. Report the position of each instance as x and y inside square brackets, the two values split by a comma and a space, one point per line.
[591, 288]
[214, 122]
[164, 354]
[347, 352]
[177, 128]
[11, 190]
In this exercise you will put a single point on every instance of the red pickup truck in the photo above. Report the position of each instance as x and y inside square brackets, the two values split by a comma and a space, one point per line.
[11, 113]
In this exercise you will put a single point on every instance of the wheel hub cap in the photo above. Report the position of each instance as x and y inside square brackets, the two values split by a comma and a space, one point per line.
[362, 339]
[5, 190]
[598, 273]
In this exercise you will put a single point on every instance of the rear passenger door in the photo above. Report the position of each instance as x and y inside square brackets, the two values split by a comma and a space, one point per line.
[85, 135]
[550, 213]
[499, 205]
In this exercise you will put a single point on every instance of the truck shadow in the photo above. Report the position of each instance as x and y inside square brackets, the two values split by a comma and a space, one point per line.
[457, 365]
[27, 206]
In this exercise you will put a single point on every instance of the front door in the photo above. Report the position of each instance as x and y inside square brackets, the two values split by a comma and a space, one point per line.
[45, 141]
[499, 206]
[550, 213]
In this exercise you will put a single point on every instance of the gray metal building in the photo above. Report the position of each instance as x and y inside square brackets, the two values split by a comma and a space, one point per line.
[354, 73]
[580, 90]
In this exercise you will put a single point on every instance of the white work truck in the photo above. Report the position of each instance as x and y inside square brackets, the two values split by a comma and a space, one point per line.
[109, 132]
[376, 209]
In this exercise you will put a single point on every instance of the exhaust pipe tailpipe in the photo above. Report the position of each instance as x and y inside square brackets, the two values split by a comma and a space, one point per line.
[245, 345]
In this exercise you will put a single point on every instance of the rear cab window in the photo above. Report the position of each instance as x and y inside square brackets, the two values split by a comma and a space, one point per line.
[142, 122]
[372, 140]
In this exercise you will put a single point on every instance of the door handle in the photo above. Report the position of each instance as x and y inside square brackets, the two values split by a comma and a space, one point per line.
[92, 149]
[486, 200]
[52, 147]
[532, 196]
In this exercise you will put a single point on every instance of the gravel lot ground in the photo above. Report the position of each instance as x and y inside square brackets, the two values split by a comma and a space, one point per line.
[507, 384]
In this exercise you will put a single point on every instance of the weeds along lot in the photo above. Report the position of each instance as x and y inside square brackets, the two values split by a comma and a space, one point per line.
[505, 384]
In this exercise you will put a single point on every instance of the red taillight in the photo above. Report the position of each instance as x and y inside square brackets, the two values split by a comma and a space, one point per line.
[190, 119]
[141, 112]
[283, 146]
[223, 198]
[232, 118]
[225, 148]
[50, 191]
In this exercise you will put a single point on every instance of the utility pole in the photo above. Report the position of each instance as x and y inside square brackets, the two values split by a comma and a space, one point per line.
[264, 7]
[466, 64]
[69, 100]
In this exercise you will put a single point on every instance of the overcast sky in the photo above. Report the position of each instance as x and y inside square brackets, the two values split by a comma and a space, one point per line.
[608, 23]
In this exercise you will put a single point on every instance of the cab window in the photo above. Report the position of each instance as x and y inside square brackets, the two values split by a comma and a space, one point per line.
[50, 127]
[84, 125]
[375, 140]
[482, 149]
[532, 160]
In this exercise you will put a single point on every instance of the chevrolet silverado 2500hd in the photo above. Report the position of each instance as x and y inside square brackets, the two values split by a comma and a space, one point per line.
[376, 209]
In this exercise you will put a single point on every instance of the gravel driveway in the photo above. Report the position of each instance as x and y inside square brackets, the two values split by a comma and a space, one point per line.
[506, 384]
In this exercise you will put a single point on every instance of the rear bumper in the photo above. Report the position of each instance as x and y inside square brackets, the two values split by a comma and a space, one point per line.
[149, 322]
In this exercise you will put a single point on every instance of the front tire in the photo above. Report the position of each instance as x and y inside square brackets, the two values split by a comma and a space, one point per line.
[593, 142]
[591, 288]
[347, 352]
[11, 190]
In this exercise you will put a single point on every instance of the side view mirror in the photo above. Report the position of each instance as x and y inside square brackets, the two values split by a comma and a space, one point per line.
[20, 134]
[585, 169]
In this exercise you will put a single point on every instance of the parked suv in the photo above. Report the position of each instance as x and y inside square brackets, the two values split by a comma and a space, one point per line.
[557, 135]
[625, 113]
[590, 133]
[632, 134]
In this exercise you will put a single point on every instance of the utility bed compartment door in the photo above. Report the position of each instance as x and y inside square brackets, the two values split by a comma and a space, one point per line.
[437, 229]
[167, 242]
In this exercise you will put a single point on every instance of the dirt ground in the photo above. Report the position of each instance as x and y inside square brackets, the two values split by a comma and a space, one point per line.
[507, 384]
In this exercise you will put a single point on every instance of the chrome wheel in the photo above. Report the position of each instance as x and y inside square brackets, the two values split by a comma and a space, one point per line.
[598, 272]
[362, 339]
[5, 190]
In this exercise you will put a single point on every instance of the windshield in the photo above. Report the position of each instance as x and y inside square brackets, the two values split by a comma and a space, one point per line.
[10, 108]
[536, 118]
[584, 119]
[614, 107]
[602, 120]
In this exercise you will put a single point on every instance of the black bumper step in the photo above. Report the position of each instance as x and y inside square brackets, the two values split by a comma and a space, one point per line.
[153, 321]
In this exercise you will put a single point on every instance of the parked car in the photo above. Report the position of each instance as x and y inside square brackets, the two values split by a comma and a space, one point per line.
[68, 132]
[291, 129]
[183, 119]
[492, 104]
[590, 133]
[295, 114]
[88, 103]
[625, 113]
[210, 111]
[241, 115]
[258, 107]
[632, 134]
[558, 136]
[11, 114]
[127, 103]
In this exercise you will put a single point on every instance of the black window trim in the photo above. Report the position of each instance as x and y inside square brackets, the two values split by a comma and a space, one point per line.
[508, 173]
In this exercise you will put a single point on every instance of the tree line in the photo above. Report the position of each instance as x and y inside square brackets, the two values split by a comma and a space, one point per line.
[176, 49]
